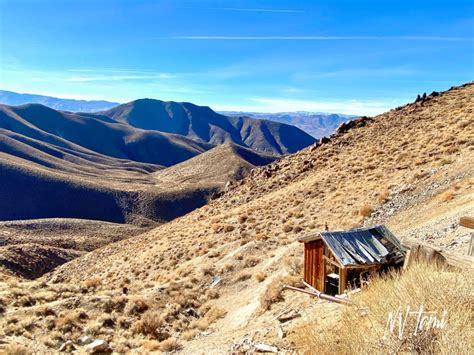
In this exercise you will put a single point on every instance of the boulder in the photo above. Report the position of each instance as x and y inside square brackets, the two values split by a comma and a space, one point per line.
[264, 348]
[97, 346]
[85, 340]
[67, 346]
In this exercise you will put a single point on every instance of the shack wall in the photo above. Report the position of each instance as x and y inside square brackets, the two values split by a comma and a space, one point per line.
[314, 273]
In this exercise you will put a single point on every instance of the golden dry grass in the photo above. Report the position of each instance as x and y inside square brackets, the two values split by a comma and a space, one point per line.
[362, 328]
[169, 269]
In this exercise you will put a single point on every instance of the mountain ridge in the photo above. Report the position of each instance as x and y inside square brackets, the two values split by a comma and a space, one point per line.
[317, 124]
[13, 99]
[203, 124]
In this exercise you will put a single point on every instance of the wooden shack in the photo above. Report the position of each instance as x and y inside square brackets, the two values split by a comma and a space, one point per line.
[335, 259]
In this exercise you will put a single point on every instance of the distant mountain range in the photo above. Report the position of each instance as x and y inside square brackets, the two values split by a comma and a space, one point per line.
[101, 165]
[12, 98]
[317, 124]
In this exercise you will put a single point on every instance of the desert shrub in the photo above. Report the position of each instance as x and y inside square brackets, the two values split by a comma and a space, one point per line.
[287, 227]
[242, 276]
[216, 227]
[365, 210]
[239, 256]
[67, 321]
[294, 264]
[260, 276]
[242, 218]
[151, 345]
[260, 236]
[430, 286]
[106, 321]
[136, 306]
[212, 293]
[93, 282]
[228, 267]
[189, 334]
[115, 304]
[15, 349]
[150, 324]
[3, 305]
[251, 261]
[229, 228]
[207, 270]
[273, 293]
[383, 195]
[297, 229]
[169, 344]
[212, 314]
[45, 311]
[25, 301]
[447, 195]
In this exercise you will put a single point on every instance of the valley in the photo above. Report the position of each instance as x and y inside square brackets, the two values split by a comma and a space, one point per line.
[67, 175]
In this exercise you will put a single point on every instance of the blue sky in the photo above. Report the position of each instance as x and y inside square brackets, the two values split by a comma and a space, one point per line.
[356, 57]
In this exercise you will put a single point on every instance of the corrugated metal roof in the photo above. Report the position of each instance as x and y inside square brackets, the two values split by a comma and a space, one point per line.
[373, 245]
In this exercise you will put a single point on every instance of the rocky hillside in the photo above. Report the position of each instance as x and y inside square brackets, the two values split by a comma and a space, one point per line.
[210, 281]
[203, 124]
[222, 165]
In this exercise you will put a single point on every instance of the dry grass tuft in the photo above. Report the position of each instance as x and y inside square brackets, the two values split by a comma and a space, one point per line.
[136, 306]
[251, 261]
[15, 349]
[242, 276]
[447, 195]
[213, 313]
[169, 344]
[150, 324]
[93, 282]
[272, 295]
[260, 276]
[3, 305]
[189, 334]
[383, 196]
[365, 210]
[363, 327]
[287, 228]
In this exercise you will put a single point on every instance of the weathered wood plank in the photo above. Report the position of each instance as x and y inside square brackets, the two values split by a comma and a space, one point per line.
[470, 251]
[320, 295]
[342, 280]
[333, 262]
[422, 252]
[467, 222]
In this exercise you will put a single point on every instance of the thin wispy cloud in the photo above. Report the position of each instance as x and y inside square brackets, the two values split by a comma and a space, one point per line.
[252, 9]
[326, 38]
[118, 77]
[116, 74]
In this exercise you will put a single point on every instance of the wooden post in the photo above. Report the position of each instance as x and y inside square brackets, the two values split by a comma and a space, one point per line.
[342, 280]
[470, 251]
[467, 222]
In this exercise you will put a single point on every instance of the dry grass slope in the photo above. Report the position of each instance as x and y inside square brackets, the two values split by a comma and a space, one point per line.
[363, 327]
[404, 158]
